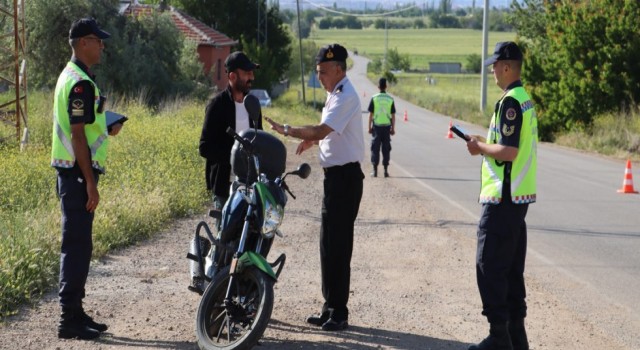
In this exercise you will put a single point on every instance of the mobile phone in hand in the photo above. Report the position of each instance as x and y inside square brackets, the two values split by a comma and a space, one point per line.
[458, 131]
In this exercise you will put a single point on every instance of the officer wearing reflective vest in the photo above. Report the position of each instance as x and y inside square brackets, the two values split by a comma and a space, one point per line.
[382, 122]
[79, 152]
[508, 186]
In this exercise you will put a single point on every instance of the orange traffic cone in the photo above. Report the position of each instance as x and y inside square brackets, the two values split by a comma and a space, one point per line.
[627, 182]
[406, 118]
[450, 134]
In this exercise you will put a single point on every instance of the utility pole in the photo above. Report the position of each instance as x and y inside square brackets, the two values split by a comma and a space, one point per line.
[483, 70]
[15, 73]
[263, 12]
[304, 99]
[386, 43]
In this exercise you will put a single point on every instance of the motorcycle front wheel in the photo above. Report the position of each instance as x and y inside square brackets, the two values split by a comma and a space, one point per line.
[239, 325]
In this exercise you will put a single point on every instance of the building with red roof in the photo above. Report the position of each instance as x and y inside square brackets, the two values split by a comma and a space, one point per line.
[213, 47]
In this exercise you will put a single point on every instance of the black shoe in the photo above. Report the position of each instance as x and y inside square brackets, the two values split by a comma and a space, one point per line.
[374, 173]
[71, 330]
[498, 339]
[318, 320]
[386, 173]
[89, 322]
[332, 325]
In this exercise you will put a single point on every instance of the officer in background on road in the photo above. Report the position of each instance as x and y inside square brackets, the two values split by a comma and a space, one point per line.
[79, 152]
[508, 186]
[382, 123]
[225, 110]
[341, 142]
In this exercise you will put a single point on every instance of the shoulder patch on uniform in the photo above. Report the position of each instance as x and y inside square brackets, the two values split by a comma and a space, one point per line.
[77, 108]
[508, 130]
[511, 114]
[78, 89]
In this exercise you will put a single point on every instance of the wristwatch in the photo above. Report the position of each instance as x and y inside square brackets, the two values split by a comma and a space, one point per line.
[286, 129]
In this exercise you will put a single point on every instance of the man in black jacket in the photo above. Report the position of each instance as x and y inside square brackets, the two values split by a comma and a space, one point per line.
[226, 110]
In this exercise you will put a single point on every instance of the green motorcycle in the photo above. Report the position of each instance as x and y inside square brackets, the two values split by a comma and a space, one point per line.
[237, 302]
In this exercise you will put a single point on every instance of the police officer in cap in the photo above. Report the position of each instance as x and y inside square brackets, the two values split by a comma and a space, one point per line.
[508, 186]
[382, 123]
[79, 152]
[341, 142]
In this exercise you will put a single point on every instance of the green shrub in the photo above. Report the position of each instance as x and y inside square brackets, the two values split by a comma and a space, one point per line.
[154, 174]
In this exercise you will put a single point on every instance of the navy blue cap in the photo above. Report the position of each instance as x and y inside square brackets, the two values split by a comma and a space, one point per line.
[333, 52]
[86, 26]
[505, 50]
[382, 82]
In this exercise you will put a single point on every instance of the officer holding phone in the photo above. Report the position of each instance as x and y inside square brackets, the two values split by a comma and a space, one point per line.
[508, 186]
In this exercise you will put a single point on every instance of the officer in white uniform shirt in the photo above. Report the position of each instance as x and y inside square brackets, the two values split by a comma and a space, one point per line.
[341, 140]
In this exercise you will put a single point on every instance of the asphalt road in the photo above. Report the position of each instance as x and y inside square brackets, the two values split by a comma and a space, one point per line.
[584, 237]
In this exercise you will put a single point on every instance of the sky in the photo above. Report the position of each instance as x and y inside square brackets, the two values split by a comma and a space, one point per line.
[389, 4]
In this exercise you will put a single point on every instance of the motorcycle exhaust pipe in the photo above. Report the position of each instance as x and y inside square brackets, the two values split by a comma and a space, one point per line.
[195, 253]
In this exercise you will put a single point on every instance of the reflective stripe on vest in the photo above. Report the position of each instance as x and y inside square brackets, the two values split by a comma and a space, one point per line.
[382, 109]
[62, 154]
[524, 167]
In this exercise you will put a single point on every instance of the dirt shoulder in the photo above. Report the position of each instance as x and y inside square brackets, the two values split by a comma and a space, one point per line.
[413, 284]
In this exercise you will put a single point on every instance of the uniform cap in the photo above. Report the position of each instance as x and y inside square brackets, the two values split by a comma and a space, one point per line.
[86, 26]
[333, 52]
[238, 60]
[382, 82]
[505, 50]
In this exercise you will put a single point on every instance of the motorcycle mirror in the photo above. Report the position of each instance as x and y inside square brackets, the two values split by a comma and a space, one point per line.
[252, 104]
[303, 170]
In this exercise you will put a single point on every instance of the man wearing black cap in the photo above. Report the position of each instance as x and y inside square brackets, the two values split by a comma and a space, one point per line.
[225, 110]
[382, 122]
[341, 142]
[79, 151]
[508, 186]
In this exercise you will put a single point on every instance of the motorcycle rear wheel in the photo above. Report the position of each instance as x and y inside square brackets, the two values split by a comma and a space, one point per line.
[241, 326]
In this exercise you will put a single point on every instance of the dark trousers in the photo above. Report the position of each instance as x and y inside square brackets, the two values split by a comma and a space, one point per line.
[218, 178]
[381, 139]
[340, 205]
[77, 244]
[500, 259]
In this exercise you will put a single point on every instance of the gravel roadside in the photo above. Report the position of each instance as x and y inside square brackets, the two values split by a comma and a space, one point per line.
[413, 284]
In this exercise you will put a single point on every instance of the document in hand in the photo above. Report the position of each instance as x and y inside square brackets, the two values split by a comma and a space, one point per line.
[113, 118]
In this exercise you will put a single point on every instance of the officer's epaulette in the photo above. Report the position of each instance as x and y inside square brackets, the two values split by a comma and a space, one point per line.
[339, 89]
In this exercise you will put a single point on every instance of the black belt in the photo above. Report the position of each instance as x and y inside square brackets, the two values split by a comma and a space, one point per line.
[355, 165]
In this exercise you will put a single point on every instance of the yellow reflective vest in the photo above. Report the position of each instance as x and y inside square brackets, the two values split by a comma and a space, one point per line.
[523, 167]
[62, 155]
[382, 109]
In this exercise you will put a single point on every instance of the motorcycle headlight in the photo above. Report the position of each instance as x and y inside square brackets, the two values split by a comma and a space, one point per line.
[272, 219]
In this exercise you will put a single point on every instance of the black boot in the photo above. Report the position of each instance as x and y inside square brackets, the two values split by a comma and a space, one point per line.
[386, 172]
[498, 339]
[518, 335]
[374, 173]
[89, 322]
[72, 326]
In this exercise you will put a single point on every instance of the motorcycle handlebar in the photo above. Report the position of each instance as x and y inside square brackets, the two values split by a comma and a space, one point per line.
[246, 144]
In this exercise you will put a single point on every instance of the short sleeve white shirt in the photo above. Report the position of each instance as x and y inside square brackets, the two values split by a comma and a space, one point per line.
[342, 113]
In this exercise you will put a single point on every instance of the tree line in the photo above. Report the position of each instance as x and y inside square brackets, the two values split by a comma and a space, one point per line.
[581, 60]
[147, 57]
[435, 17]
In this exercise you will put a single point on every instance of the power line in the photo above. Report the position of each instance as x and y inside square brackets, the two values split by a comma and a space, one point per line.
[324, 8]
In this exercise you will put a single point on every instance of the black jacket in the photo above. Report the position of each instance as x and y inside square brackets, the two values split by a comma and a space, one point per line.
[215, 144]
